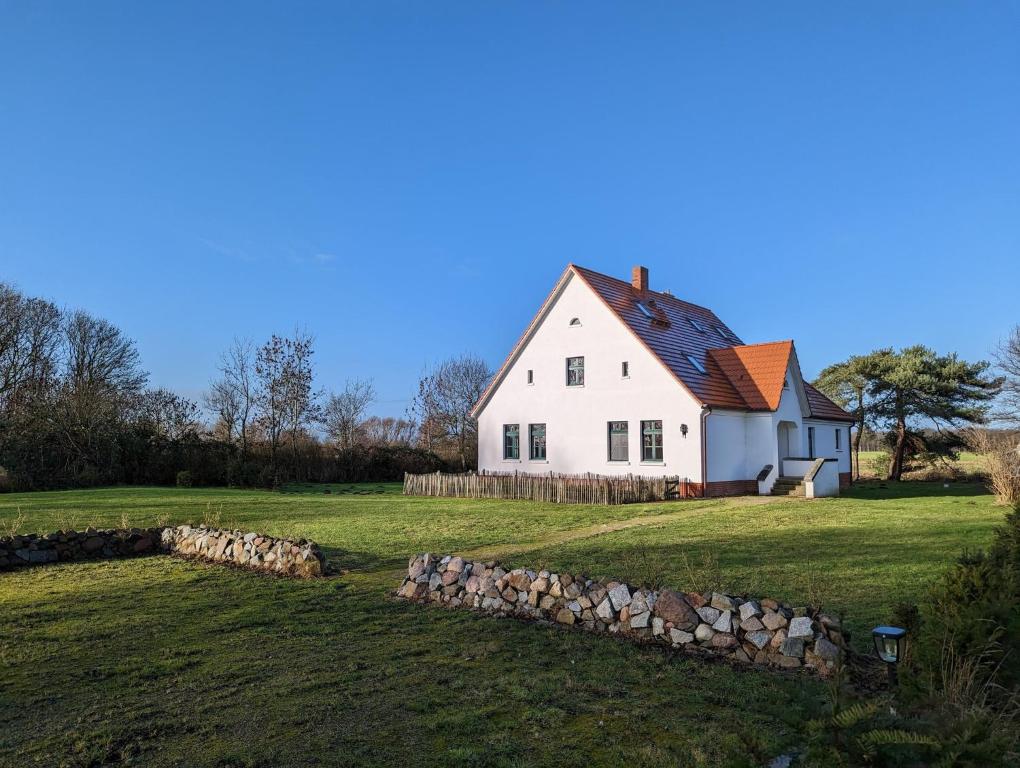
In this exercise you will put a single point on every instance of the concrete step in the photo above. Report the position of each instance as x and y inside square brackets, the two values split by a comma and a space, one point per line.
[788, 486]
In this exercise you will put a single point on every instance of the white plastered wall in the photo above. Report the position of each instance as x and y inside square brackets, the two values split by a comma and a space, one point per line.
[825, 441]
[576, 418]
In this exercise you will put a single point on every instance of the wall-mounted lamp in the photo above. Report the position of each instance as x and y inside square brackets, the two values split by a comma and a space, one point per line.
[683, 430]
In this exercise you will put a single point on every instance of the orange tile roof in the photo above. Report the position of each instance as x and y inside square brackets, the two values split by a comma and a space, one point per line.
[756, 371]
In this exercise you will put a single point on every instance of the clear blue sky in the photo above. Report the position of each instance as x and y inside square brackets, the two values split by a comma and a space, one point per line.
[407, 180]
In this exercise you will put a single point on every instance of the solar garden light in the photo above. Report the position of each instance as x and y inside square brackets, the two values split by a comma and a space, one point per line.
[890, 642]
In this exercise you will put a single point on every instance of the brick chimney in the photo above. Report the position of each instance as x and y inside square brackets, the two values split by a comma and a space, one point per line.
[639, 278]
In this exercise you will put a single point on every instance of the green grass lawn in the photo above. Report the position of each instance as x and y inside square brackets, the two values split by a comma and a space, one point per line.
[159, 661]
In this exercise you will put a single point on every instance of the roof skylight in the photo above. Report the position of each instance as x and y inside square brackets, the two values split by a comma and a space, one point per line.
[696, 363]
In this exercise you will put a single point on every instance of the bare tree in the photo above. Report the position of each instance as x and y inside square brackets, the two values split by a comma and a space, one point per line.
[344, 413]
[98, 356]
[285, 400]
[1007, 356]
[102, 380]
[30, 335]
[388, 430]
[167, 415]
[425, 410]
[232, 397]
[444, 402]
[224, 403]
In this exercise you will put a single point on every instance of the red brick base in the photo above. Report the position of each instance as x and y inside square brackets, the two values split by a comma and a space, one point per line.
[746, 487]
[727, 488]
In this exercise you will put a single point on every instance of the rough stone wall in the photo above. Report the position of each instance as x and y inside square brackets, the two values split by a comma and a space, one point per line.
[765, 631]
[66, 546]
[289, 557]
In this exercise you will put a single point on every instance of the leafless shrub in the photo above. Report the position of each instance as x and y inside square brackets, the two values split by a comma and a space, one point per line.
[10, 528]
[211, 518]
[67, 521]
[1001, 450]
[642, 565]
[702, 576]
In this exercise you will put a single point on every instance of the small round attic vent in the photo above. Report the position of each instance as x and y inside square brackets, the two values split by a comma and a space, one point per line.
[575, 321]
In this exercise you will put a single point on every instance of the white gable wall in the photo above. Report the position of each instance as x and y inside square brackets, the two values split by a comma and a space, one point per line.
[576, 418]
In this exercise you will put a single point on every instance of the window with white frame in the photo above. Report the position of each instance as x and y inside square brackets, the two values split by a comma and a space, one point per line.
[696, 363]
[575, 371]
[536, 440]
[811, 442]
[651, 440]
[625, 369]
[531, 376]
[511, 441]
[618, 441]
[839, 439]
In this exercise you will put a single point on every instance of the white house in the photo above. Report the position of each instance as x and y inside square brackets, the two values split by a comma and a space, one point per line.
[614, 378]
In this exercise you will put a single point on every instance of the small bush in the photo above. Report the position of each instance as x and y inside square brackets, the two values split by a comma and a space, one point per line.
[965, 649]
[877, 465]
[1002, 459]
[184, 479]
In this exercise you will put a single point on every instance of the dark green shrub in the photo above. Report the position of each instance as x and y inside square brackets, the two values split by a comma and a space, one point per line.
[966, 646]
[184, 479]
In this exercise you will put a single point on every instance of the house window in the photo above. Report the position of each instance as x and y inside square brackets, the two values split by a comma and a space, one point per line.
[536, 439]
[531, 376]
[697, 326]
[625, 369]
[575, 322]
[786, 383]
[645, 311]
[618, 434]
[839, 439]
[511, 441]
[651, 441]
[696, 363]
[575, 371]
[811, 442]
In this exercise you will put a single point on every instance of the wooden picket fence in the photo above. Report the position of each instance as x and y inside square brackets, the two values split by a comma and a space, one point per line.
[561, 489]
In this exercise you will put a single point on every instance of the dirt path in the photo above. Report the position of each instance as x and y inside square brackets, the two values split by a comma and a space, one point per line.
[499, 551]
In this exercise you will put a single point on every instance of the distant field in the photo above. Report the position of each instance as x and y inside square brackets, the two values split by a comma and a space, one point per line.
[164, 662]
[873, 464]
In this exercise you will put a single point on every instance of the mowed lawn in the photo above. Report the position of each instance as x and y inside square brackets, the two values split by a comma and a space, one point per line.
[159, 661]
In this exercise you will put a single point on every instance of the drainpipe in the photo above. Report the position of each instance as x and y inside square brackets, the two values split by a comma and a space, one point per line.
[705, 412]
